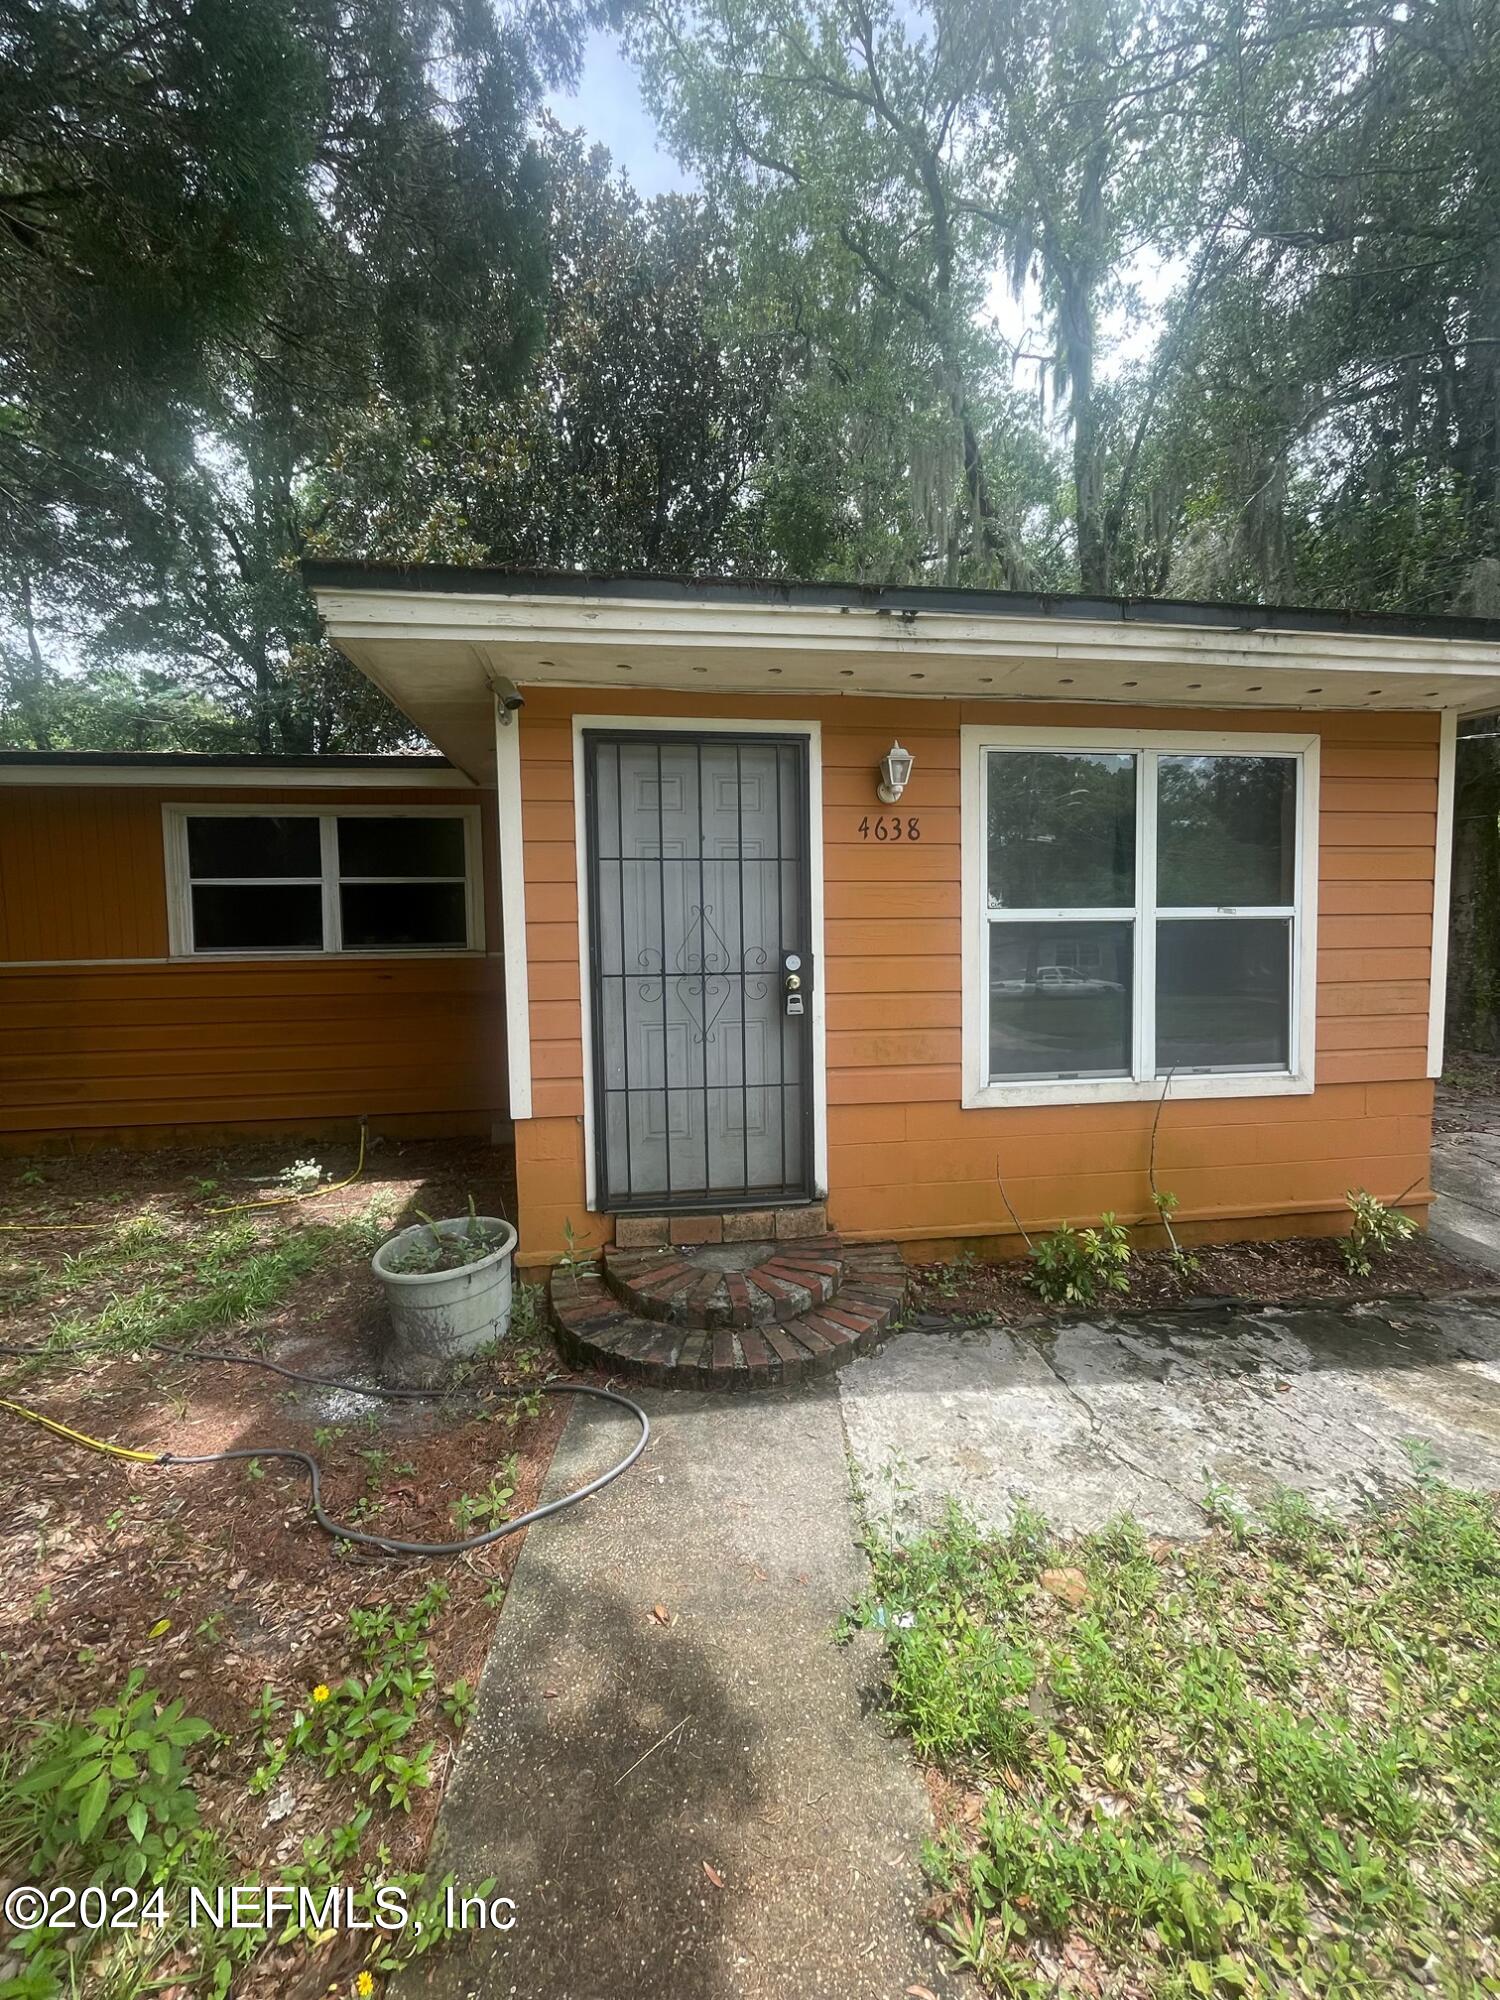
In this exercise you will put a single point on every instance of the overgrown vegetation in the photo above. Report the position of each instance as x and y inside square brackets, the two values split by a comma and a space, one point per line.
[110, 1800]
[446, 1246]
[1268, 1763]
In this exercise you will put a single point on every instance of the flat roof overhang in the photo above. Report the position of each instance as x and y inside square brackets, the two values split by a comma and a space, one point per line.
[436, 641]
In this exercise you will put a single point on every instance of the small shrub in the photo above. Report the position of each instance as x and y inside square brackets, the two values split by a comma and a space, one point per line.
[1077, 1267]
[1374, 1234]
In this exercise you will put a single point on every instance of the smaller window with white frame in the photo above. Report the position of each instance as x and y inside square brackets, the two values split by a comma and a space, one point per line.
[1145, 914]
[287, 882]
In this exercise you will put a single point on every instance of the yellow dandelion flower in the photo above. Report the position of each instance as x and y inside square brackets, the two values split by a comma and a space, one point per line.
[320, 1693]
[364, 1986]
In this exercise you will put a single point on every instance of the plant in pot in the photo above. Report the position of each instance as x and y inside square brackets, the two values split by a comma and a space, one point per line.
[448, 1287]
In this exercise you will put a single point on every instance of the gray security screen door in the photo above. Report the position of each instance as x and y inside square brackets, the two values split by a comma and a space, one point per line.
[698, 887]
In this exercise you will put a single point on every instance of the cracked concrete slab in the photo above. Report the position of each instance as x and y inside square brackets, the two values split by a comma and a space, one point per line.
[1104, 1417]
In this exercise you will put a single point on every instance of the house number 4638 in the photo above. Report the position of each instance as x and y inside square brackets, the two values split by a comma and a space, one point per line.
[890, 826]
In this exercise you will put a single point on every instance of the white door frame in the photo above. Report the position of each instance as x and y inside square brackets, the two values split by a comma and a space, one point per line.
[662, 725]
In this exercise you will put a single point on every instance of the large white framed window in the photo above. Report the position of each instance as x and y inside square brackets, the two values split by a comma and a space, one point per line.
[1140, 908]
[306, 881]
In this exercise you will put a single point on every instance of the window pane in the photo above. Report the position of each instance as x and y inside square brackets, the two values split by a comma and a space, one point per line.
[1223, 994]
[259, 845]
[1061, 830]
[401, 846]
[1060, 1000]
[385, 915]
[277, 917]
[1225, 831]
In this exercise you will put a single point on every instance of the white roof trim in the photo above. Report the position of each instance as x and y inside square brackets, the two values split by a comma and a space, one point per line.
[412, 642]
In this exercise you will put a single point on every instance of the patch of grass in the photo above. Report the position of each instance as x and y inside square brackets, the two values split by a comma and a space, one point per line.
[224, 1278]
[1268, 1763]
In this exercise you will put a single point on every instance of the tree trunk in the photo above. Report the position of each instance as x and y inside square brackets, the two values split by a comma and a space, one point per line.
[1473, 1020]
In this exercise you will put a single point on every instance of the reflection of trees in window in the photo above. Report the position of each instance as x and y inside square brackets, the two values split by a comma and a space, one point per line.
[1226, 831]
[1061, 830]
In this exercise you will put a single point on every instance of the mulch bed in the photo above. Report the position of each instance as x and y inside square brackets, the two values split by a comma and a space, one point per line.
[96, 1552]
[1301, 1268]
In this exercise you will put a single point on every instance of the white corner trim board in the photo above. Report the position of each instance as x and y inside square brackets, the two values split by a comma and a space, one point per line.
[513, 908]
[1442, 893]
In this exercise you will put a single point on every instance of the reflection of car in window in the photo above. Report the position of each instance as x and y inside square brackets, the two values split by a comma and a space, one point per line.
[1061, 980]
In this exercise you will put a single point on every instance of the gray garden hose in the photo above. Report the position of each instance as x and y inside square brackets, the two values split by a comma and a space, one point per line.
[387, 1544]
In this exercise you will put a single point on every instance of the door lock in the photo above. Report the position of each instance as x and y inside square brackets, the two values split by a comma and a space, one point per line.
[796, 978]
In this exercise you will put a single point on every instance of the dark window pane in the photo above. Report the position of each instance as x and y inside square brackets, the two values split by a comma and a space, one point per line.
[1061, 830]
[1223, 994]
[401, 846]
[1225, 831]
[262, 845]
[277, 917]
[1060, 1000]
[385, 915]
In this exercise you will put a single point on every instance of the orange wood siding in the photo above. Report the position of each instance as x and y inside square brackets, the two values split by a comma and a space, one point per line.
[101, 1032]
[904, 1159]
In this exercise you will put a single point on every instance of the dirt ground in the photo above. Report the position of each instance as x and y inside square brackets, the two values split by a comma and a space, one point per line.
[214, 1578]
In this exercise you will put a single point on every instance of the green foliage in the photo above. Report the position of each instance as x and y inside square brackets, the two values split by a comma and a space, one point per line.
[109, 1799]
[230, 1278]
[1165, 1778]
[1078, 1267]
[1162, 303]
[230, 228]
[1373, 1234]
[360, 1725]
[109, 1793]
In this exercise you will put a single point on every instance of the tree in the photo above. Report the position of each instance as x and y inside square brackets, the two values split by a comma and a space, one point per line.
[397, 234]
[1343, 399]
[631, 440]
[851, 139]
[934, 149]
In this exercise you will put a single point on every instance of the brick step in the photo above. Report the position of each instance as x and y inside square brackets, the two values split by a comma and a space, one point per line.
[597, 1329]
[731, 1284]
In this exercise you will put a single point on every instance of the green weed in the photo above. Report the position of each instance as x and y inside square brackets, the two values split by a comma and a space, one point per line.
[1263, 1764]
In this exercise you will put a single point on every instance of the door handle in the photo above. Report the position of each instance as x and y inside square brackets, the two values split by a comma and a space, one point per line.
[796, 978]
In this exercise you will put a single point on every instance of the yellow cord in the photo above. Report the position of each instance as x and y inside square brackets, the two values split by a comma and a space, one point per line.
[49, 1228]
[307, 1194]
[230, 1208]
[80, 1437]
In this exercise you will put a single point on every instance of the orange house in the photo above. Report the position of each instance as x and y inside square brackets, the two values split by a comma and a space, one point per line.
[929, 905]
[191, 944]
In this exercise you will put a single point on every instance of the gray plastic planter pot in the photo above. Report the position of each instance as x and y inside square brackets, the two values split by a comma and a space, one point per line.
[439, 1317]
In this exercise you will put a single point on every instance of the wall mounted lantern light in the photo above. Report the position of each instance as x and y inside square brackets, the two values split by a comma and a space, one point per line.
[895, 769]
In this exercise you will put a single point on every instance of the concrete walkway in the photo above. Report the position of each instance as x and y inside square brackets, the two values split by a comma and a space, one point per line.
[613, 1759]
[1097, 1419]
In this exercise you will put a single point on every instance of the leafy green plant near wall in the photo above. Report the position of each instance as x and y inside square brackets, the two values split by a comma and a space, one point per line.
[1374, 1234]
[1078, 1267]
